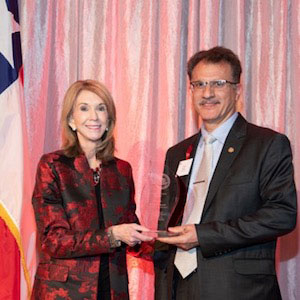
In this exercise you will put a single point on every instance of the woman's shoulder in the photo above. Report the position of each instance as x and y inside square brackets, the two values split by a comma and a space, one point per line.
[54, 157]
[122, 165]
[120, 161]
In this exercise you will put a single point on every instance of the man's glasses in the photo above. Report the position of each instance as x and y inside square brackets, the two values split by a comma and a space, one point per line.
[215, 84]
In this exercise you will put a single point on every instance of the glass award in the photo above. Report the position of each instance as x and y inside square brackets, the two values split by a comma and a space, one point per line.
[170, 216]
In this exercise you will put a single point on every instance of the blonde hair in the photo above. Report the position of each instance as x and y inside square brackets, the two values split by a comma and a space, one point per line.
[70, 143]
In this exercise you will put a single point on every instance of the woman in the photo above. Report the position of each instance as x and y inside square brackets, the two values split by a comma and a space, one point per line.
[84, 204]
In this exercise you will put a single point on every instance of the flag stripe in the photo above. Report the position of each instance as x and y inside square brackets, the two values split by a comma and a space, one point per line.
[10, 264]
[4, 215]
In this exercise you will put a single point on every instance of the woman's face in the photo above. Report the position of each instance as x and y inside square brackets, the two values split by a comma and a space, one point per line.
[89, 118]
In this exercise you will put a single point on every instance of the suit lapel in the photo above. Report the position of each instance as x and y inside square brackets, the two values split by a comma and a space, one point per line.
[231, 149]
[83, 169]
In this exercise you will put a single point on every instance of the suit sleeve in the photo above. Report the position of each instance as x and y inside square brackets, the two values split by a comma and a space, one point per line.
[275, 201]
[55, 233]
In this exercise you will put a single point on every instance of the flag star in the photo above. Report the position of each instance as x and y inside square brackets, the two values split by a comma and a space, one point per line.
[8, 26]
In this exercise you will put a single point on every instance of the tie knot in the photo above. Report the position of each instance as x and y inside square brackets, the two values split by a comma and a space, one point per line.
[209, 139]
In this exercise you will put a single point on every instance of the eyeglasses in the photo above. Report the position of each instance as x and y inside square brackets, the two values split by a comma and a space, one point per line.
[215, 84]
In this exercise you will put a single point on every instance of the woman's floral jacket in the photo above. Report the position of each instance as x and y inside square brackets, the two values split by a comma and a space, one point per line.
[67, 220]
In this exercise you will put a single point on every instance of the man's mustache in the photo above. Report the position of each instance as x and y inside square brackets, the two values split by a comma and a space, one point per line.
[209, 101]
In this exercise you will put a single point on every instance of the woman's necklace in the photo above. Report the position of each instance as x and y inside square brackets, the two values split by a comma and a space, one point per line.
[96, 175]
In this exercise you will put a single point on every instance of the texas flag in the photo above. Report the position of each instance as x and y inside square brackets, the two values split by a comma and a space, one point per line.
[12, 258]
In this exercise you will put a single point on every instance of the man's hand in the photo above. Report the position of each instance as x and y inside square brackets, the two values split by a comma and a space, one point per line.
[186, 239]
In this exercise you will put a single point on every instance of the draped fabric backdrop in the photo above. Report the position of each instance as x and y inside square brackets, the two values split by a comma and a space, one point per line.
[139, 50]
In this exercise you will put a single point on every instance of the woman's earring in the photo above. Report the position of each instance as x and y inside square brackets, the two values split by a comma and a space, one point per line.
[73, 128]
[106, 129]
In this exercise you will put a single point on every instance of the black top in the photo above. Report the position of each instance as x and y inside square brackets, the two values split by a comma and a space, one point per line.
[103, 281]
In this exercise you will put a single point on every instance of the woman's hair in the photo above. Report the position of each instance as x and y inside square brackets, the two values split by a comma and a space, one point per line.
[70, 143]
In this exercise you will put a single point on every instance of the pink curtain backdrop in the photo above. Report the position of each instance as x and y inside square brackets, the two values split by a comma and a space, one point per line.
[139, 49]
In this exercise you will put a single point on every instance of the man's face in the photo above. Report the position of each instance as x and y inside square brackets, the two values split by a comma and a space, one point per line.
[214, 104]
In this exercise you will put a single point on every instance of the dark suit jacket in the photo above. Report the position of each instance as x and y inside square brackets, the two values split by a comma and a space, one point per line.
[67, 220]
[251, 201]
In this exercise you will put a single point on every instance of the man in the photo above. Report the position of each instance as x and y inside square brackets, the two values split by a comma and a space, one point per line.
[237, 209]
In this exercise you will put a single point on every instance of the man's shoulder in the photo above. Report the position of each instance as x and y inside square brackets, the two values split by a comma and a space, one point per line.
[257, 132]
[261, 132]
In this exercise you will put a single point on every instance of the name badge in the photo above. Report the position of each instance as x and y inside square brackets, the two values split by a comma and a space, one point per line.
[184, 167]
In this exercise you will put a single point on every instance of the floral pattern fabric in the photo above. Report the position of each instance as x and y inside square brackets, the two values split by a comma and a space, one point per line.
[71, 242]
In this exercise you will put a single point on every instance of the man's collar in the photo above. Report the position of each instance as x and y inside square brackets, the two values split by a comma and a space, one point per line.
[221, 132]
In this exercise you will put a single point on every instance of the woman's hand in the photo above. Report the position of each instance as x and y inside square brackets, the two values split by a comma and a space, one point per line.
[131, 234]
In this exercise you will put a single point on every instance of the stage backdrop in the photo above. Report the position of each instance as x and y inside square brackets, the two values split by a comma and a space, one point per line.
[139, 49]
